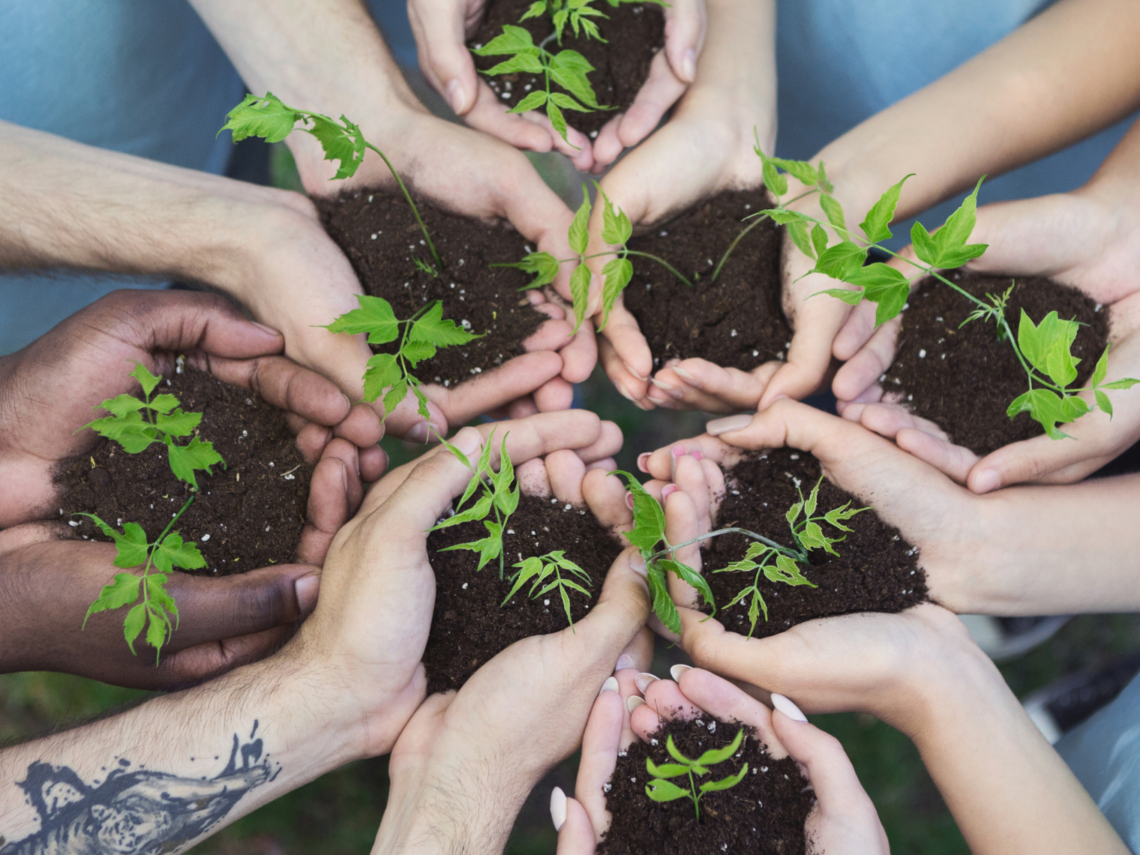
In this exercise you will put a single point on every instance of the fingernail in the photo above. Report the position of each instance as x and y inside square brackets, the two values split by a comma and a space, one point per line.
[633, 702]
[629, 500]
[644, 680]
[467, 440]
[678, 670]
[307, 588]
[667, 491]
[455, 96]
[347, 400]
[637, 564]
[718, 426]
[671, 391]
[643, 462]
[986, 481]
[624, 393]
[418, 433]
[269, 330]
[675, 453]
[789, 709]
[624, 661]
[696, 455]
[638, 376]
[689, 66]
[557, 808]
[687, 377]
[611, 685]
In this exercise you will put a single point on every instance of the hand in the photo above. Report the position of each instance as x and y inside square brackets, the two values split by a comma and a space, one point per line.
[462, 171]
[843, 820]
[1089, 239]
[369, 630]
[50, 389]
[442, 28]
[48, 582]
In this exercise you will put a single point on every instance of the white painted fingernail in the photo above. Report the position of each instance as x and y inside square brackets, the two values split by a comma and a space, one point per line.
[678, 670]
[624, 661]
[789, 709]
[611, 685]
[624, 393]
[686, 376]
[557, 808]
[689, 66]
[633, 702]
[644, 680]
[718, 426]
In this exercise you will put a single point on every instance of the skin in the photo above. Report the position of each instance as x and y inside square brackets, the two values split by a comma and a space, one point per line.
[919, 672]
[1062, 76]
[843, 820]
[51, 389]
[1089, 239]
[361, 646]
[442, 29]
[329, 56]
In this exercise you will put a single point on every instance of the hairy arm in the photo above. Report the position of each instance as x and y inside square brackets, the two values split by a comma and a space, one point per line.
[169, 773]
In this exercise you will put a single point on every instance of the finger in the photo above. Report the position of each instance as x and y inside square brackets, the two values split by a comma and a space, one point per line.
[952, 460]
[607, 145]
[685, 27]
[714, 389]
[624, 335]
[287, 386]
[888, 419]
[440, 33]
[335, 493]
[576, 835]
[691, 480]
[865, 366]
[665, 699]
[809, 356]
[514, 379]
[601, 742]
[580, 356]
[519, 408]
[854, 408]
[552, 334]
[311, 438]
[605, 497]
[490, 116]
[621, 611]
[362, 427]
[553, 395]
[1048, 462]
[566, 472]
[533, 478]
[682, 524]
[213, 658]
[623, 379]
[662, 462]
[373, 463]
[607, 445]
[726, 703]
[660, 91]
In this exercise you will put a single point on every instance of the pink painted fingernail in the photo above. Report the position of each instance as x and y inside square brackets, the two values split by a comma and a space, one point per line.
[667, 491]
[696, 455]
[718, 426]
[789, 709]
[645, 680]
[678, 451]
[643, 462]
[629, 500]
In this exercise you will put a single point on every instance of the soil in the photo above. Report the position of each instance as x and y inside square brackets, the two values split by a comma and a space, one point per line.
[376, 230]
[764, 813]
[736, 322]
[877, 570]
[248, 514]
[634, 32]
[964, 379]
[469, 626]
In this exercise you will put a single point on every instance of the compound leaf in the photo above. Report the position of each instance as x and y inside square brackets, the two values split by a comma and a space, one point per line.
[834, 211]
[554, 113]
[841, 260]
[131, 545]
[524, 61]
[177, 423]
[375, 317]
[187, 459]
[381, 372]
[416, 352]
[665, 770]
[531, 102]
[477, 511]
[129, 430]
[264, 117]
[173, 552]
[433, 328]
[343, 142]
[122, 591]
[663, 605]
[120, 405]
[511, 40]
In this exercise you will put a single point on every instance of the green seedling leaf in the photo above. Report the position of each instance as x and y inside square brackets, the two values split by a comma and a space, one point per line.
[1043, 406]
[801, 170]
[785, 216]
[876, 224]
[375, 317]
[925, 247]
[489, 548]
[726, 783]
[477, 511]
[786, 571]
[959, 226]
[129, 430]
[532, 101]
[665, 791]
[813, 499]
[648, 517]
[798, 232]
[122, 405]
[512, 40]
[663, 605]
[133, 625]
[1098, 375]
[263, 116]
[162, 403]
[838, 516]
[343, 142]
[666, 770]
[554, 113]
[841, 261]
[415, 352]
[1103, 402]
[382, 371]
[884, 286]
[433, 328]
[616, 226]
[147, 380]
[616, 276]
[543, 265]
[690, 576]
[536, 10]
[195, 456]
[1126, 383]
[177, 423]
[157, 631]
[818, 239]
[579, 229]
[123, 591]
[156, 591]
[568, 69]
[793, 513]
[580, 292]
[525, 61]
[719, 755]
[833, 210]
[172, 552]
[776, 183]
[852, 298]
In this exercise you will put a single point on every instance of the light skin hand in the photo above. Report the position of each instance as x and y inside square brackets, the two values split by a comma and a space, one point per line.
[843, 820]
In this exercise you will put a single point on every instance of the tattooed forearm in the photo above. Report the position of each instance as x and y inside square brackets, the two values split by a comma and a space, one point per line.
[135, 810]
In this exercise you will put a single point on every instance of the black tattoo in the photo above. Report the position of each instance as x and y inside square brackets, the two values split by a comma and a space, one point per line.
[134, 812]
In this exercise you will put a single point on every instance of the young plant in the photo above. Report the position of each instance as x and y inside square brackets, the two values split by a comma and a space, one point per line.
[616, 230]
[157, 607]
[135, 424]
[496, 496]
[421, 337]
[547, 570]
[782, 564]
[662, 789]
[266, 117]
[1044, 350]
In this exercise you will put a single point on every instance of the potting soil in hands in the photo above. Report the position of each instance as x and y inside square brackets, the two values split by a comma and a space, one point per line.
[470, 626]
[763, 814]
[248, 514]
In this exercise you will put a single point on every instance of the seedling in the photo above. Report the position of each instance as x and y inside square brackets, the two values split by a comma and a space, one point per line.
[421, 336]
[266, 117]
[548, 569]
[616, 230]
[566, 68]
[135, 424]
[782, 564]
[648, 534]
[497, 496]
[661, 789]
[1044, 350]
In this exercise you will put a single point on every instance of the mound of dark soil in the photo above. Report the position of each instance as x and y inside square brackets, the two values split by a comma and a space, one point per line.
[248, 514]
[735, 322]
[877, 570]
[470, 626]
[380, 236]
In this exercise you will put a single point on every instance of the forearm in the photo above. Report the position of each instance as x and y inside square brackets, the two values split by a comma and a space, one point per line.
[1008, 790]
[1067, 73]
[176, 769]
[71, 205]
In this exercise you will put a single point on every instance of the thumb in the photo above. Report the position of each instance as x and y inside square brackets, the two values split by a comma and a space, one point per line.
[685, 25]
[575, 834]
[622, 609]
[440, 41]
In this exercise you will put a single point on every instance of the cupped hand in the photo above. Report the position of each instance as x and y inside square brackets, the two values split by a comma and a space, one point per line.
[51, 388]
[843, 819]
[1088, 239]
[442, 29]
[48, 580]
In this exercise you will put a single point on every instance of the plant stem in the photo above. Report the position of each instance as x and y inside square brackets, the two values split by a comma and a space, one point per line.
[795, 555]
[758, 219]
[408, 196]
[660, 261]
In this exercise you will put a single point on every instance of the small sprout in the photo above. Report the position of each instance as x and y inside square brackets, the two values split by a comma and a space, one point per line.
[662, 789]
[546, 571]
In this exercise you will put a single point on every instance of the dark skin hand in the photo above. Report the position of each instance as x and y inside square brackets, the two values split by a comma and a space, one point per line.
[47, 392]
